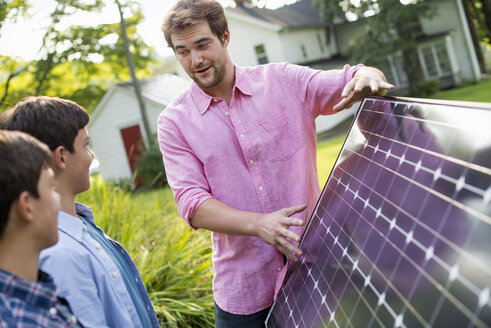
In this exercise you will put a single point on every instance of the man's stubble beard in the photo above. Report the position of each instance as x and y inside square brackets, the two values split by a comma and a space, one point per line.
[219, 70]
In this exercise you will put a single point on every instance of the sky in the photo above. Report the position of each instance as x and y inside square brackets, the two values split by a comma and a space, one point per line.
[23, 39]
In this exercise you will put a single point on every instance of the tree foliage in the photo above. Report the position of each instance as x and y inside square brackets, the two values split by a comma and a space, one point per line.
[79, 62]
[388, 30]
[11, 10]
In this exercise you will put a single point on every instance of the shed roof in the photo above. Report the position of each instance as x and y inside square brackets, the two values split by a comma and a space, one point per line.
[160, 88]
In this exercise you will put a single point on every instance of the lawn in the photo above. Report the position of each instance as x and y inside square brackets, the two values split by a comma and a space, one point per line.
[327, 153]
[174, 260]
[475, 92]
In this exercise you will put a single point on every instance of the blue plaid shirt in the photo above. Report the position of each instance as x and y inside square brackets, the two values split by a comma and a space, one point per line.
[29, 304]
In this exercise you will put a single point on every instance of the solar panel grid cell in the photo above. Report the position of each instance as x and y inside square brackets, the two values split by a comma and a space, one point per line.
[401, 234]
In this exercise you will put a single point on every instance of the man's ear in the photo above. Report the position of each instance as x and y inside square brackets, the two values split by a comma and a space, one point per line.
[24, 207]
[59, 157]
[226, 38]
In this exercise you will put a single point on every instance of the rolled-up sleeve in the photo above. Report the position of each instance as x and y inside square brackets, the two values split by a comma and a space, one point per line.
[184, 170]
[318, 91]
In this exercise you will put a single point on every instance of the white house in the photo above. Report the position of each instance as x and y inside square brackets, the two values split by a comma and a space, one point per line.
[297, 34]
[116, 126]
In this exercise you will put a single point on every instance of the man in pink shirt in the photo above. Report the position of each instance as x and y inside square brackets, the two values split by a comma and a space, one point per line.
[239, 148]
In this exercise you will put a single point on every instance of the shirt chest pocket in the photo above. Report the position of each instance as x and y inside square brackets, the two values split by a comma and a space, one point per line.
[280, 139]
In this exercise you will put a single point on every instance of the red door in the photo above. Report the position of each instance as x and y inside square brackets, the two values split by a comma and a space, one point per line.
[133, 144]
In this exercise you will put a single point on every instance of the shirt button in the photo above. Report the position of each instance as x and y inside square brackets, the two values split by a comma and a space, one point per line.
[279, 269]
[129, 308]
[52, 311]
[73, 319]
[261, 188]
[227, 113]
[215, 100]
[97, 245]
[242, 135]
[115, 274]
[251, 161]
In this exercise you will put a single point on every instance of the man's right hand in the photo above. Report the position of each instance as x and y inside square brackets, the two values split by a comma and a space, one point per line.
[273, 229]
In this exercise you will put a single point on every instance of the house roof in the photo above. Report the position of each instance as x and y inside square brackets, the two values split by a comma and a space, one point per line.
[160, 88]
[297, 15]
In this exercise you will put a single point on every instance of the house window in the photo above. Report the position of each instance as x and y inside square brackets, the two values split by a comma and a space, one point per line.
[394, 70]
[304, 51]
[429, 61]
[262, 57]
[436, 59]
[443, 59]
[416, 29]
[389, 74]
[321, 45]
[400, 70]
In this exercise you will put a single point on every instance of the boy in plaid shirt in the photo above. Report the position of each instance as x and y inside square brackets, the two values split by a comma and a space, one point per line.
[29, 206]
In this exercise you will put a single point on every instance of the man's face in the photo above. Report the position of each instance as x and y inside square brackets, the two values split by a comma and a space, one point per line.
[46, 209]
[202, 54]
[78, 163]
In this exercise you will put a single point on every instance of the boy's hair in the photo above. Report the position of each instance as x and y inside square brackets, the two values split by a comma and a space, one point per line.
[52, 120]
[23, 158]
[187, 13]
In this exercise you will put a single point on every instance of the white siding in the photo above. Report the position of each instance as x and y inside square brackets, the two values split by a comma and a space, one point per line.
[293, 40]
[446, 19]
[327, 122]
[118, 112]
[245, 37]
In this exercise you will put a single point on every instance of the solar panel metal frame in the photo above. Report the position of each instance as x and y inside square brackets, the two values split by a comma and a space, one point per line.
[398, 320]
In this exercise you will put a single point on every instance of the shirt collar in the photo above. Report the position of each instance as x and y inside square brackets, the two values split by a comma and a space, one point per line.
[71, 225]
[203, 100]
[85, 212]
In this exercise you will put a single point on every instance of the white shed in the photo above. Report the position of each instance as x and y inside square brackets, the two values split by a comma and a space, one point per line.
[116, 126]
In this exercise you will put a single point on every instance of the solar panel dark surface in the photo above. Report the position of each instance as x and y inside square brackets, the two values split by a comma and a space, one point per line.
[401, 234]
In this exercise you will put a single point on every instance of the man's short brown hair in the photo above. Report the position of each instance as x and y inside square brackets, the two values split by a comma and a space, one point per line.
[187, 13]
[54, 121]
[22, 161]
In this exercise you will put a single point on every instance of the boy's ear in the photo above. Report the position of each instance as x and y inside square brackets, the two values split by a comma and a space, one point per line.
[59, 157]
[24, 206]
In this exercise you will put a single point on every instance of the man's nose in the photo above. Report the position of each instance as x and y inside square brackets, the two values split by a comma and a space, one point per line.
[196, 57]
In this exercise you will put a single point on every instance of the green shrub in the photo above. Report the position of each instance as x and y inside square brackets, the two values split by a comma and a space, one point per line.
[174, 260]
[426, 88]
[149, 166]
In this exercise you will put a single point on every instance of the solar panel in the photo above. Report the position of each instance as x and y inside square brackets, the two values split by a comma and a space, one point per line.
[401, 234]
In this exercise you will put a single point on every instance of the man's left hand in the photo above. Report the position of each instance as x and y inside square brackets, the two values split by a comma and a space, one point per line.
[366, 81]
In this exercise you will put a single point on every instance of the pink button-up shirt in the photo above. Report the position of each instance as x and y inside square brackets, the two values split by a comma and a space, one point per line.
[258, 154]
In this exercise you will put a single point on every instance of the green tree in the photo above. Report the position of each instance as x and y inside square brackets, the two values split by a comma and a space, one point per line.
[389, 29]
[80, 62]
[11, 10]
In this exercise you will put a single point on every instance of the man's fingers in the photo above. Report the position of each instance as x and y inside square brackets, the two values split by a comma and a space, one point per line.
[387, 85]
[341, 105]
[294, 209]
[287, 253]
[290, 235]
[374, 86]
[348, 88]
[289, 250]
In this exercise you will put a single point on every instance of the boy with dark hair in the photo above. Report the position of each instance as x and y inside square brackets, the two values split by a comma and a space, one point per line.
[94, 273]
[29, 206]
